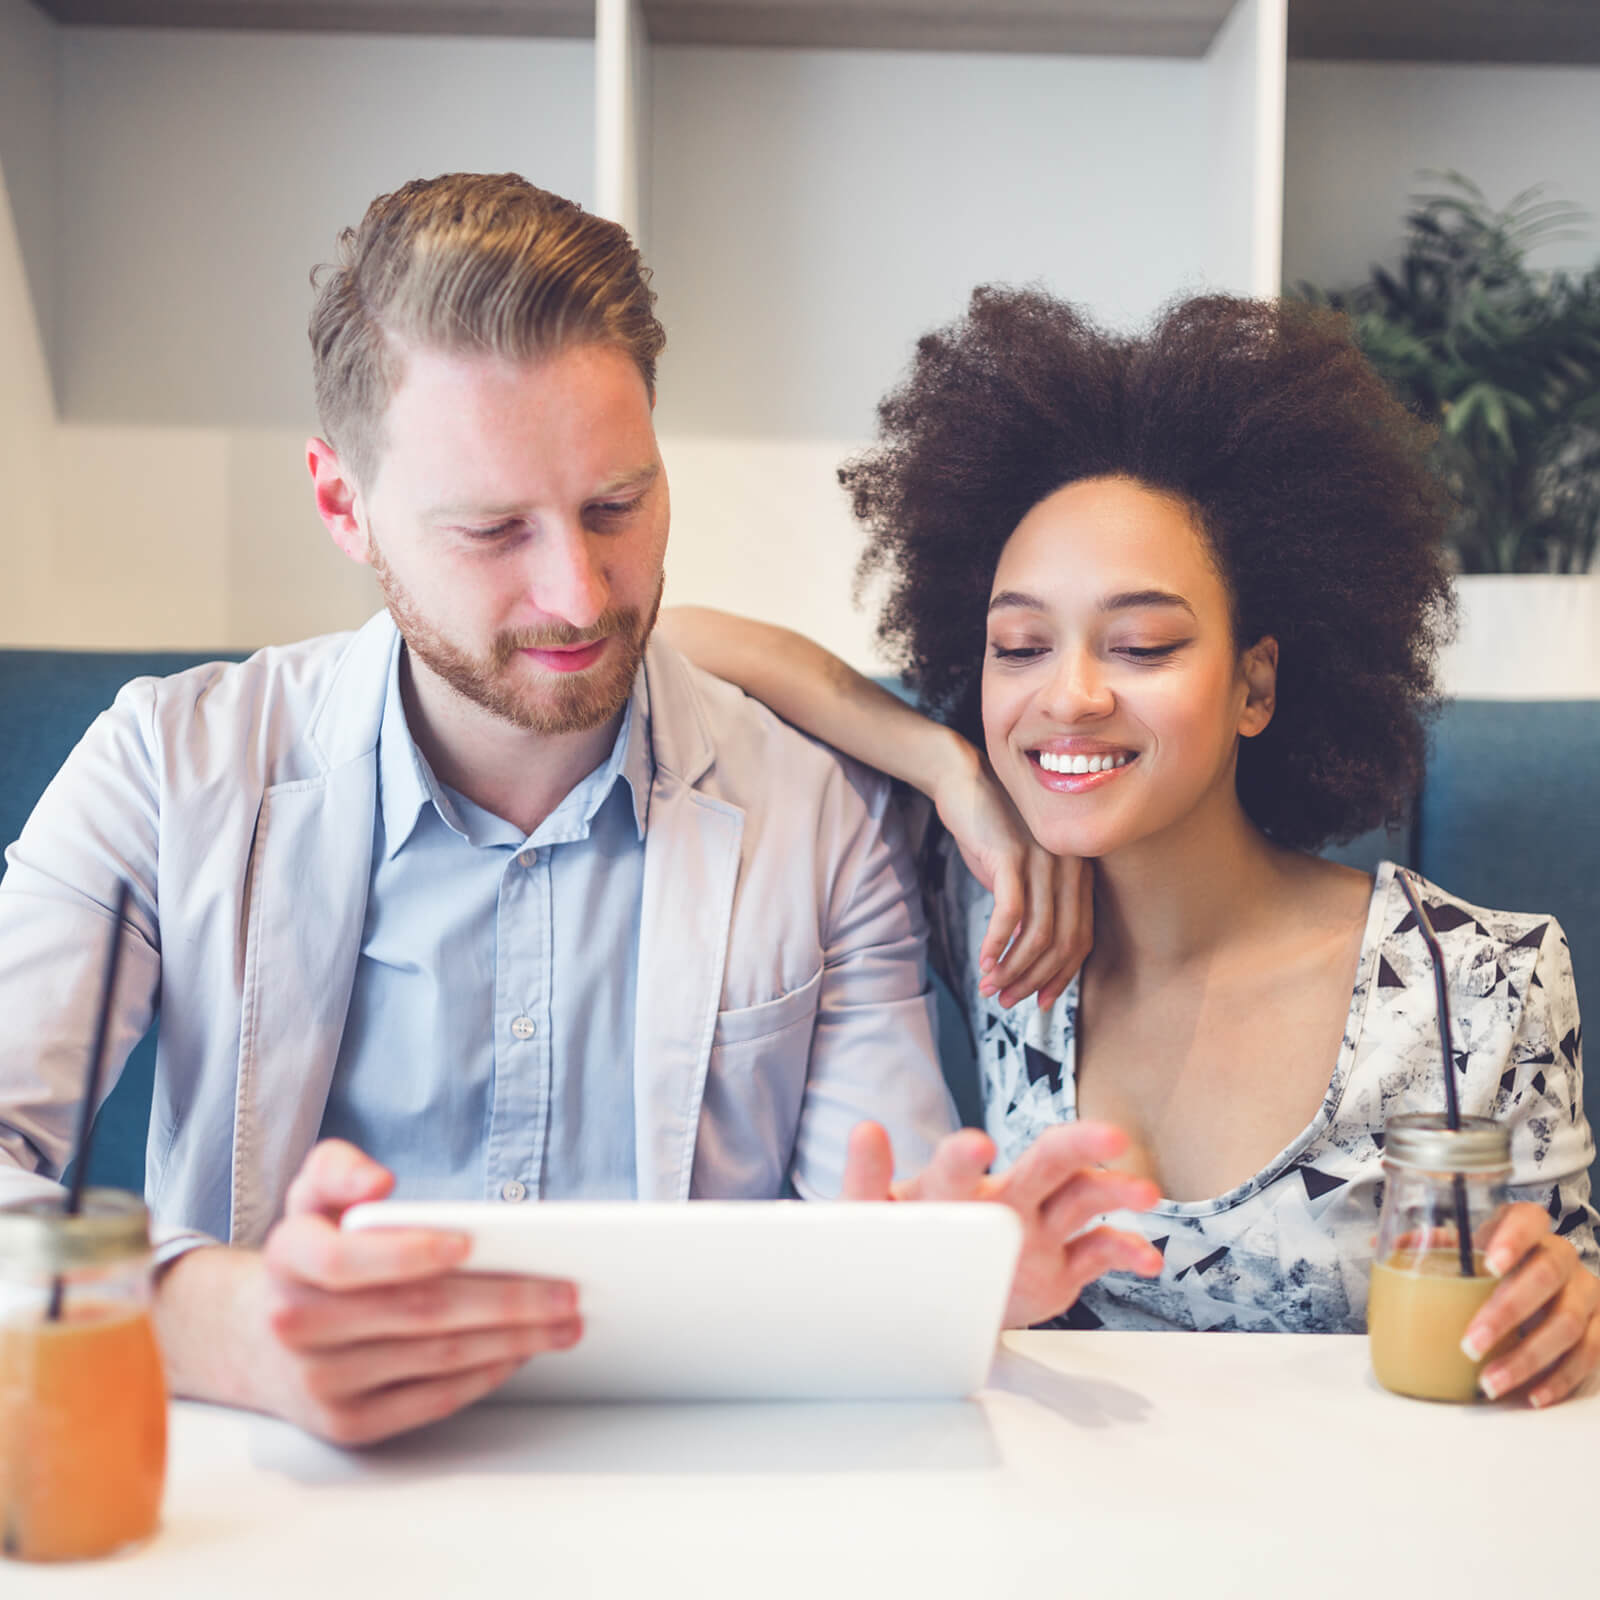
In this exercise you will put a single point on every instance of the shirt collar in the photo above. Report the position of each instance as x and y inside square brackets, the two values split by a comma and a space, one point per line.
[630, 761]
[406, 782]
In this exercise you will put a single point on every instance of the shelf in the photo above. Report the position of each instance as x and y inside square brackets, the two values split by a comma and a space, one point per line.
[1555, 32]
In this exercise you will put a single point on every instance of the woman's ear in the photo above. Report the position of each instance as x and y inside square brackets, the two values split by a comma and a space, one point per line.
[1259, 667]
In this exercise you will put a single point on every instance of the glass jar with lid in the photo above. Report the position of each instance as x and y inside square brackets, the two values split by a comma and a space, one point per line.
[83, 1404]
[1444, 1192]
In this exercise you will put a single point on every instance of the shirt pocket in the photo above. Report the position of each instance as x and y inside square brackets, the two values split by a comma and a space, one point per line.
[755, 1087]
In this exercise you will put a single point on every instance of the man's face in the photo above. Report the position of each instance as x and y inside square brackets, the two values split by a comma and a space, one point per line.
[517, 524]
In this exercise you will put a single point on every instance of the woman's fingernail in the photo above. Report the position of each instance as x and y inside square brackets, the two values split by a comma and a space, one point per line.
[1498, 1263]
[1539, 1399]
[1471, 1346]
[1491, 1384]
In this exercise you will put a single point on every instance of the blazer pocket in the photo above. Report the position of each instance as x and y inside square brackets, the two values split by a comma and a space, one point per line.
[755, 1086]
[747, 1024]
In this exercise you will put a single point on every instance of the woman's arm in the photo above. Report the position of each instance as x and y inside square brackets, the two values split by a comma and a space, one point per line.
[822, 695]
[1039, 933]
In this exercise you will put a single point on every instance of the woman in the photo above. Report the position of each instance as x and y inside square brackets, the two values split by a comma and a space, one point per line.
[1187, 589]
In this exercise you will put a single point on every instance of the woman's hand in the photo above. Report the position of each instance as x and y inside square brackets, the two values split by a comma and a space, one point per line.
[1043, 904]
[1057, 1187]
[1545, 1285]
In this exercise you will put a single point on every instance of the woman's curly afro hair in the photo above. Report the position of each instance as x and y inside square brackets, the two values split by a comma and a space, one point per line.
[1303, 472]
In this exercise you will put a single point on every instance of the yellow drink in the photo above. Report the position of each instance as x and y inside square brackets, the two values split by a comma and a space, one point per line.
[1418, 1310]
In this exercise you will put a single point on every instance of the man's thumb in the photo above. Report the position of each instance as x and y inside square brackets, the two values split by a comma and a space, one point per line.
[334, 1177]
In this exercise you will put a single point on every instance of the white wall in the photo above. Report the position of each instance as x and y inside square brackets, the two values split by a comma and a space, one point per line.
[29, 93]
[27, 422]
[203, 174]
[27, 261]
[199, 177]
[1358, 135]
[815, 211]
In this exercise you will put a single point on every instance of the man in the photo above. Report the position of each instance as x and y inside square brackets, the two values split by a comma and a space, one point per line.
[491, 898]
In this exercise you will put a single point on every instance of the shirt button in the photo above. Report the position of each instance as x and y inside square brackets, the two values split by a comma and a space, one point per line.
[524, 1027]
[528, 858]
[512, 1190]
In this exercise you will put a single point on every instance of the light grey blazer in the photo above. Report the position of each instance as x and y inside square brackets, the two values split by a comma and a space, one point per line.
[781, 994]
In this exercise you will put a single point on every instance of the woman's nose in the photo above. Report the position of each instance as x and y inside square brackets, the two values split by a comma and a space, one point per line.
[1078, 690]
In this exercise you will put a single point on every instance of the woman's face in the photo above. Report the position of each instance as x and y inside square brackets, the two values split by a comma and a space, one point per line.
[1110, 648]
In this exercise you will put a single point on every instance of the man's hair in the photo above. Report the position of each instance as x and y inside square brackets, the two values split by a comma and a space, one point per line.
[468, 262]
[1305, 475]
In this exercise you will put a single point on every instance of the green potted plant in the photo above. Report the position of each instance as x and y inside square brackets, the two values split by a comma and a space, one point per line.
[1504, 360]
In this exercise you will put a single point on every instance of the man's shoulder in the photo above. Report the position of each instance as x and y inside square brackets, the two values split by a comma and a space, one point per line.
[269, 703]
[273, 670]
[712, 734]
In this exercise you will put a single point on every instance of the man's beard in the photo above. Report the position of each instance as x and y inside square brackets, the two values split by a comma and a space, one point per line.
[562, 702]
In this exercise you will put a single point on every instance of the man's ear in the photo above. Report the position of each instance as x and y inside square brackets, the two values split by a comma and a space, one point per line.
[1259, 666]
[338, 500]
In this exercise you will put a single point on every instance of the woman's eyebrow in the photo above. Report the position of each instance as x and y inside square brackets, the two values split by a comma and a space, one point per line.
[1016, 600]
[1132, 598]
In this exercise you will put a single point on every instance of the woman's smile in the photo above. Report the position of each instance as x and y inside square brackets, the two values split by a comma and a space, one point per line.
[1072, 766]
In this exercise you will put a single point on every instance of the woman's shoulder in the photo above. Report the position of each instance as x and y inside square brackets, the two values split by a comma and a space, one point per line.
[1488, 953]
[1514, 1032]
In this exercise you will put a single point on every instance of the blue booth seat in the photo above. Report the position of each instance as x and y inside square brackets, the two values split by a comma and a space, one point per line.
[1508, 818]
[47, 699]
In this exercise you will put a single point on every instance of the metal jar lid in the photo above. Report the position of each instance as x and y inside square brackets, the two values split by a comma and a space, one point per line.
[1426, 1141]
[37, 1238]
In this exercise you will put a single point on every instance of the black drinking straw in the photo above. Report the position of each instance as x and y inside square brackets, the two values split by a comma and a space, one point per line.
[91, 1088]
[1452, 1106]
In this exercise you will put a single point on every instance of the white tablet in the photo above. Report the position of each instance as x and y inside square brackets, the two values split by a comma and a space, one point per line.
[717, 1300]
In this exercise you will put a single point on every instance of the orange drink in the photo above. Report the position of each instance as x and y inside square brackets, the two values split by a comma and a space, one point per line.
[83, 1402]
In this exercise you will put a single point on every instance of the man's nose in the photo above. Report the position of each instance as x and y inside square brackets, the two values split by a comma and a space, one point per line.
[567, 579]
[1078, 691]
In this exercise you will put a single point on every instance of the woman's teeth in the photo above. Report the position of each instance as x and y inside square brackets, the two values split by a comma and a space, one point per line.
[1078, 764]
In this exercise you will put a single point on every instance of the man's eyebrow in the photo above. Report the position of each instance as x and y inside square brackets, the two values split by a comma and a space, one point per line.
[640, 480]
[1016, 600]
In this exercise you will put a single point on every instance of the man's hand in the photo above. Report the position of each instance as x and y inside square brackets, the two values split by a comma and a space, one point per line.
[354, 1336]
[1546, 1292]
[1057, 1188]
[1043, 919]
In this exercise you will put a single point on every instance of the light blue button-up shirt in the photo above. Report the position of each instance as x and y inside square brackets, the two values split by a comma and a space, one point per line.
[488, 1051]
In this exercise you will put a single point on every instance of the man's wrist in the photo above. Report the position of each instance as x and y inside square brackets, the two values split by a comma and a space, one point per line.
[205, 1302]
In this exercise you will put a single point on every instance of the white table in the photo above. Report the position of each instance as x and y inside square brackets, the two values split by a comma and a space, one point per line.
[1095, 1465]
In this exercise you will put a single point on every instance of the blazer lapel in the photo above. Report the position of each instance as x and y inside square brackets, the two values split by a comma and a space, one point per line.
[307, 903]
[691, 869]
